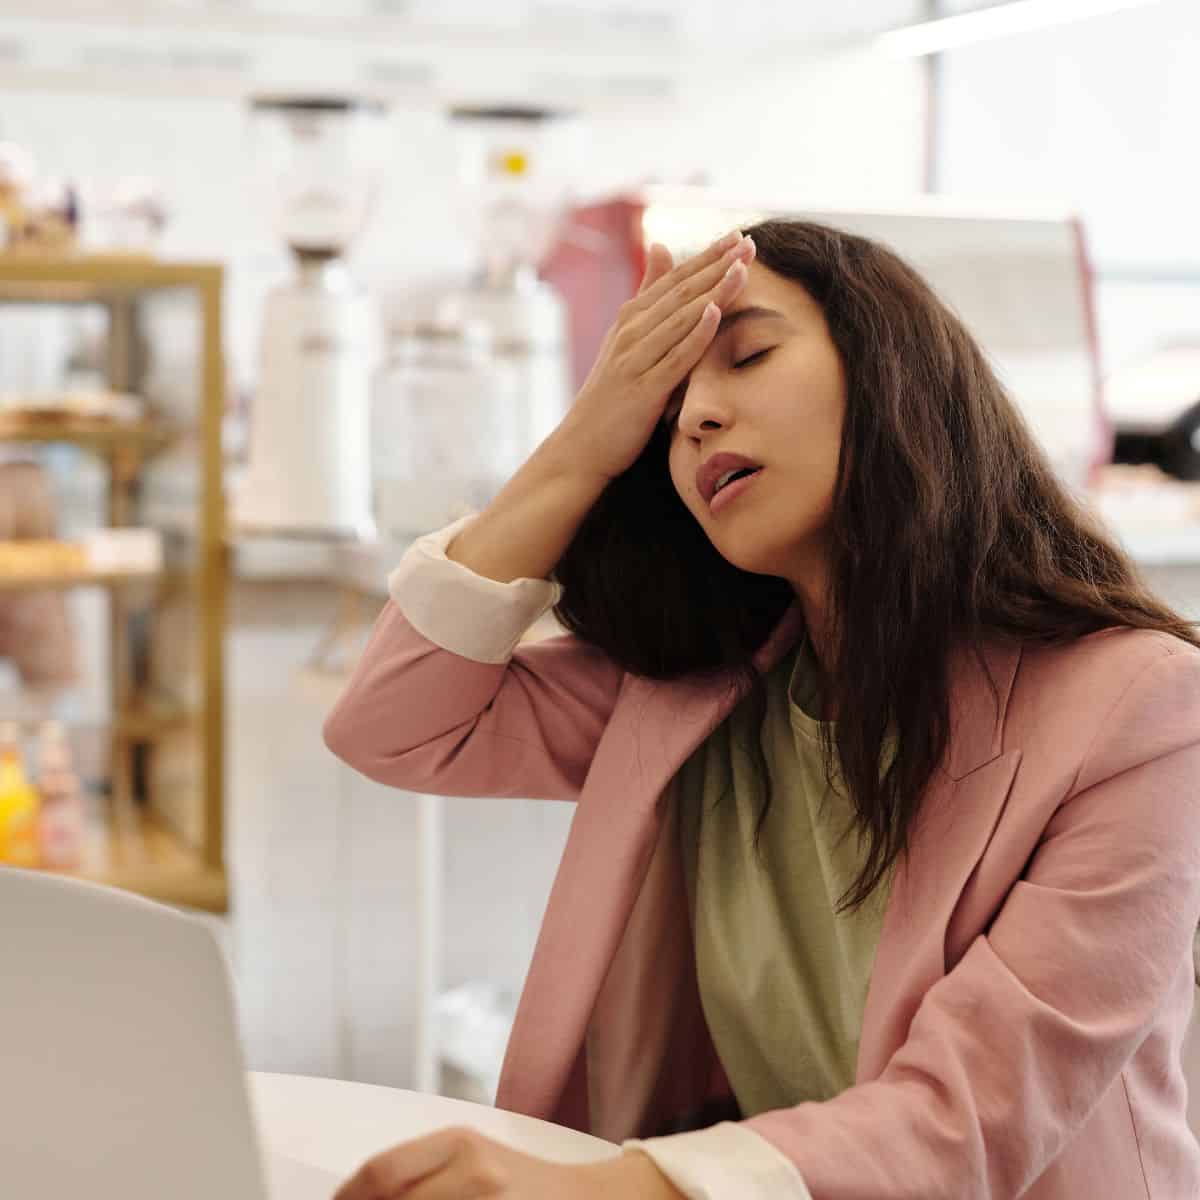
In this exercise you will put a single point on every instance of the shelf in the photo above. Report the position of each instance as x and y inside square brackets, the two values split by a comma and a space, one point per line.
[58, 580]
[151, 861]
[1160, 547]
[623, 29]
[1154, 516]
[90, 433]
[149, 721]
[95, 278]
[142, 721]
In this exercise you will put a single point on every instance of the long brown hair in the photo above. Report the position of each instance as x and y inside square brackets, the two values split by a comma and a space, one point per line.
[949, 527]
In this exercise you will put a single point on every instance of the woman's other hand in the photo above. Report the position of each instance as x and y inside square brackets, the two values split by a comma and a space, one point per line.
[463, 1164]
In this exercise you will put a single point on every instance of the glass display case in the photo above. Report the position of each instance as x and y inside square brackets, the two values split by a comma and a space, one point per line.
[150, 579]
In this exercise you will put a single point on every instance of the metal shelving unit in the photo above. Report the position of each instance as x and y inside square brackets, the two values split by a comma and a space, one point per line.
[169, 846]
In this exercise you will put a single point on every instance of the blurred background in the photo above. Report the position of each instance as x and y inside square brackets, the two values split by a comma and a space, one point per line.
[282, 288]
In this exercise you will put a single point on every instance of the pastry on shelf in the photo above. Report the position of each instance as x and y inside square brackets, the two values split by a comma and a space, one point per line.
[36, 630]
[42, 557]
[70, 406]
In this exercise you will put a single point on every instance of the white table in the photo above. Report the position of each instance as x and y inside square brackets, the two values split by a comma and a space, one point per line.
[334, 1126]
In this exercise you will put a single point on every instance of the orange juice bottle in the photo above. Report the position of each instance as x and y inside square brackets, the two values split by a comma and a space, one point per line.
[18, 805]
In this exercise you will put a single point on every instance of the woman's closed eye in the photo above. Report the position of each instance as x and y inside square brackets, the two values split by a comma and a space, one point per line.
[751, 359]
[675, 405]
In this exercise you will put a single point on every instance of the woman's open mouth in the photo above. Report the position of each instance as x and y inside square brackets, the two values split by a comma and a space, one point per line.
[734, 488]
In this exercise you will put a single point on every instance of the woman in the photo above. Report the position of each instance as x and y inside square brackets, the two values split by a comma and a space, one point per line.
[886, 861]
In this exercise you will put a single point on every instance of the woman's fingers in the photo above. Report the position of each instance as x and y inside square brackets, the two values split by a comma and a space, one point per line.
[690, 288]
[655, 346]
[658, 263]
[650, 295]
[670, 370]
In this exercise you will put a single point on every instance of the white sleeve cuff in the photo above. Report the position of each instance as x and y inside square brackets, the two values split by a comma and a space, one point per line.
[723, 1161]
[459, 610]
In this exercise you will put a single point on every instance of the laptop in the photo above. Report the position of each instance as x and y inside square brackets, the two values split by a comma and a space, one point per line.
[121, 1074]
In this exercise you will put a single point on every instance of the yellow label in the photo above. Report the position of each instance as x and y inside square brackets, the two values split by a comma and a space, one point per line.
[513, 162]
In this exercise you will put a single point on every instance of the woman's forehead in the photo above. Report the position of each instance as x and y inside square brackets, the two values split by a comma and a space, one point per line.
[766, 290]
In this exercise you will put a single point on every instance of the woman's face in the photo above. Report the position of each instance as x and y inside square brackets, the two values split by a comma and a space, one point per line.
[770, 387]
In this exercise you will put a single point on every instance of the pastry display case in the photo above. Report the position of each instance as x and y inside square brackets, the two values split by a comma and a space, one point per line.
[154, 818]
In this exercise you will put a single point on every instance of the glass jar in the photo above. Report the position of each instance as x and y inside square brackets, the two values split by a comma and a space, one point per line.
[447, 430]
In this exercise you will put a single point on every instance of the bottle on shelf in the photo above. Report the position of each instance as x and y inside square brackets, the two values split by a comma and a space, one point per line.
[60, 821]
[18, 804]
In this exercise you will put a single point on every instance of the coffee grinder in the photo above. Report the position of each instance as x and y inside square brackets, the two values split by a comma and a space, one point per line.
[319, 160]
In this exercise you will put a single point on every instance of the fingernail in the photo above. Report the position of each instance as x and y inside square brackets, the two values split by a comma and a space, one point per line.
[737, 270]
[747, 248]
[730, 240]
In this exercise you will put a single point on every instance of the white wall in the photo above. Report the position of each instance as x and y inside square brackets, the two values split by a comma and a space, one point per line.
[1101, 117]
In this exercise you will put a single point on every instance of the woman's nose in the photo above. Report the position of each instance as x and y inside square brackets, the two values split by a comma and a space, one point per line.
[703, 409]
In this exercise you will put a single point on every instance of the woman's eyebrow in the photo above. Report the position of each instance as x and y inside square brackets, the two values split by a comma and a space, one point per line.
[751, 312]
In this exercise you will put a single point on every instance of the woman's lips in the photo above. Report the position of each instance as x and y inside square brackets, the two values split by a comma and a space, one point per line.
[731, 491]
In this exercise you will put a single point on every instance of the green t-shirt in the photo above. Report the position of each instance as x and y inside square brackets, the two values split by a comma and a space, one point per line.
[783, 978]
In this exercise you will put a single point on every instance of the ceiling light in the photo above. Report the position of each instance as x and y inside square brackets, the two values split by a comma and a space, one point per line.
[996, 21]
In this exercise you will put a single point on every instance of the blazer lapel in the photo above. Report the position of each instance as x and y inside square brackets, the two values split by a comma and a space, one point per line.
[655, 726]
[959, 813]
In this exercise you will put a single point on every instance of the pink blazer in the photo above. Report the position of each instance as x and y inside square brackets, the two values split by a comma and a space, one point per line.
[1034, 978]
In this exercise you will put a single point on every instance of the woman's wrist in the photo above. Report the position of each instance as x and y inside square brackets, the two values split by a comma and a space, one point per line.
[632, 1176]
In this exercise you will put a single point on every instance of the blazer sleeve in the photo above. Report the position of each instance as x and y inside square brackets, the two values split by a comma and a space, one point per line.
[444, 699]
[1010, 1052]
